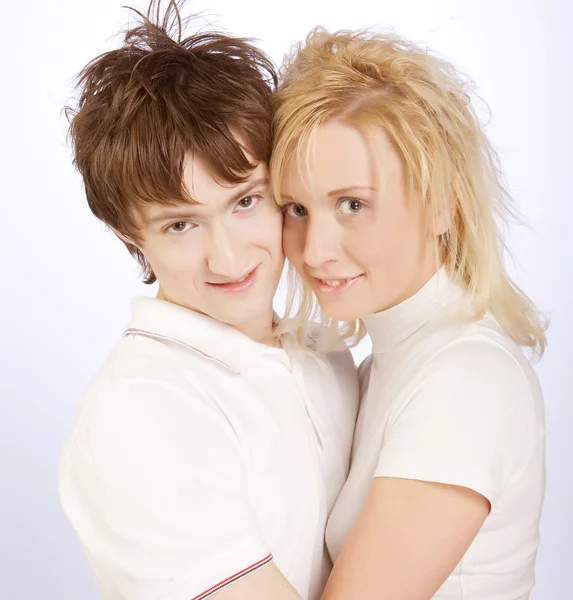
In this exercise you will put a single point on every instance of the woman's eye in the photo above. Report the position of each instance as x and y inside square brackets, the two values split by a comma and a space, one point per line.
[351, 206]
[295, 210]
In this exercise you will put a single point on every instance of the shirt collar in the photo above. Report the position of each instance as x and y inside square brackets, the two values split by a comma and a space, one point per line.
[202, 334]
[391, 327]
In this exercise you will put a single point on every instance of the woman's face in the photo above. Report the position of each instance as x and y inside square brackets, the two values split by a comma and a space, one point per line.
[352, 229]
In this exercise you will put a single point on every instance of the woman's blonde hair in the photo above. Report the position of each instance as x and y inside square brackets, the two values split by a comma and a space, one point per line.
[422, 103]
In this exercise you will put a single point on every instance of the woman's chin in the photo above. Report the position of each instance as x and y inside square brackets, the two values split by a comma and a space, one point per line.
[341, 313]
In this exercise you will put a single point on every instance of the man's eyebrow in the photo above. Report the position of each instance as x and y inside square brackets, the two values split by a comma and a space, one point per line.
[249, 187]
[189, 213]
[176, 213]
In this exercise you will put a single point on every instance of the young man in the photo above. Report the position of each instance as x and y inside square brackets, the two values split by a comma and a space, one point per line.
[208, 451]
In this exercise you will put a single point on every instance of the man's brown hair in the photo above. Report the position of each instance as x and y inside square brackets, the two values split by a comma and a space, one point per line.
[144, 106]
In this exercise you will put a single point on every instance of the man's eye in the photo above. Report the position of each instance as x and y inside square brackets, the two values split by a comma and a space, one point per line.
[180, 226]
[247, 202]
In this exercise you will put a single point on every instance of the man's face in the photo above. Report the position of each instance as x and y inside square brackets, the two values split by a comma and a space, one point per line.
[222, 256]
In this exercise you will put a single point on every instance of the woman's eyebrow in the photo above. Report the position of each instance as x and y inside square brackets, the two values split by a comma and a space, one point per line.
[350, 188]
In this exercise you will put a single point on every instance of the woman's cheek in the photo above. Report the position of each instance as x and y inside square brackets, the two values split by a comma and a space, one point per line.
[293, 244]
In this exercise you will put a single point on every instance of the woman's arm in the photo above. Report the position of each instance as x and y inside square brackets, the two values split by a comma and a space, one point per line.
[407, 540]
[450, 452]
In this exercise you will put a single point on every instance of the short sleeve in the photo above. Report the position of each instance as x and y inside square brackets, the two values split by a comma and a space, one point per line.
[469, 421]
[157, 494]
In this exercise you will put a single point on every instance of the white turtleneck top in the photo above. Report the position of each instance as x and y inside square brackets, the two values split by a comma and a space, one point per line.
[450, 400]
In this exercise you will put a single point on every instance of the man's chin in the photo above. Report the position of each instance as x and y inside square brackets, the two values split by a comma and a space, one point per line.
[253, 322]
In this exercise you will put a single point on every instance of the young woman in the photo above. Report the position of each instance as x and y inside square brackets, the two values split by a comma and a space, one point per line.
[393, 200]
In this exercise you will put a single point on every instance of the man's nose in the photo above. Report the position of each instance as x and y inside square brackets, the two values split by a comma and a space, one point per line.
[223, 253]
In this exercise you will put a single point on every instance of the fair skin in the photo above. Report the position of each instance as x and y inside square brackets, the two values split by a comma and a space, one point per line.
[222, 256]
[265, 583]
[407, 540]
[360, 239]
[350, 219]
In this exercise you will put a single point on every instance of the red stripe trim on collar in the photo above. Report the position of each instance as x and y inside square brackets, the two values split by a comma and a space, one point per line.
[150, 334]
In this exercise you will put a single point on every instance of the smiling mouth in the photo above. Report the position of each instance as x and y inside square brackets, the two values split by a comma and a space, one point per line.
[331, 286]
[240, 285]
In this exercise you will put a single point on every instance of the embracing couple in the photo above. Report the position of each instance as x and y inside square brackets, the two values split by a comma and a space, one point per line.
[226, 451]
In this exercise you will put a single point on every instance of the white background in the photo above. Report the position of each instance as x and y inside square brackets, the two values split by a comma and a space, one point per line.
[66, 282]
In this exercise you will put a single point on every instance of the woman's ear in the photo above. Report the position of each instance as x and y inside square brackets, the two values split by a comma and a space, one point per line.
[443, 217]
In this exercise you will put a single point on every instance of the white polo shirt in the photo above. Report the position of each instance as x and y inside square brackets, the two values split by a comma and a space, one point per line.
[450, 401]
[199, 455]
